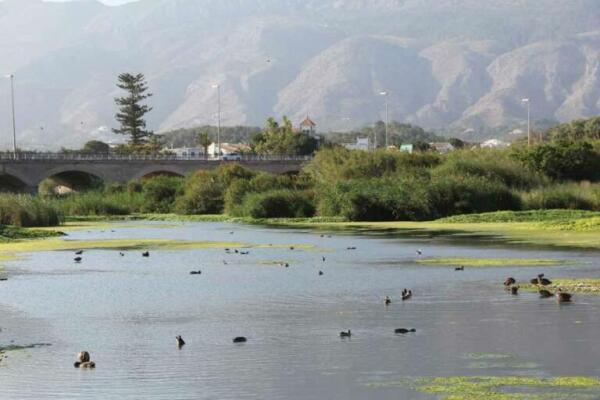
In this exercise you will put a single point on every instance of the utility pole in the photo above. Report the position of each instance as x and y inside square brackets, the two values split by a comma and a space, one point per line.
[528, 120]
[14, 124]
[218, 87]
[387, 121]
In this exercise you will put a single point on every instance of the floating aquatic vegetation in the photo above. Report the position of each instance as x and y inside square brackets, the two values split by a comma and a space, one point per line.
[490, 262]
[584, 286]
[503, 387]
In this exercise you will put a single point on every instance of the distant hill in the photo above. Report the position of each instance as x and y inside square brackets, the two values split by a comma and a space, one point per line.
[445, 63]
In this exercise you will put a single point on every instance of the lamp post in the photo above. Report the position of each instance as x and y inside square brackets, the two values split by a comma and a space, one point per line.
[218, 87]
[12, 102]
[528, 102]
[387, 121]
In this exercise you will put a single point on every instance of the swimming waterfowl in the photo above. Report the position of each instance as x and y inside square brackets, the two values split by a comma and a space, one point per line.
[407, 295]
[323, 258]
[387, 301]
[544, 294]
[180, 341]
[78, 259]
[419, 252]
[195, 272]
[80, 252]
[563, 297]
[122, 254]
[291, 247]
[346, 334]
[351, 248]
[83, 361]
[514, 290]
[240, 339]
[320, 273]
[540, 280]
[509, 281]
[146, 254]
[404, 330]
[461, 268]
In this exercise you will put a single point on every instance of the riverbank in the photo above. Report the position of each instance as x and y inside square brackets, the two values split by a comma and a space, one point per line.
[559, 228]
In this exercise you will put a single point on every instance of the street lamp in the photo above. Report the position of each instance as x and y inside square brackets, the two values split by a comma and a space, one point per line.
[12, 101]
[528, 102]
[387, 121]
[218, 87]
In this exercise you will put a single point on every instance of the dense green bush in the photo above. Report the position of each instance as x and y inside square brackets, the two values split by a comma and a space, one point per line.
[569, 196]
[279, 204]
[27, 211]
[160, 193]
[99, 203]
[203, 194]
[562, 160]
[494, 165]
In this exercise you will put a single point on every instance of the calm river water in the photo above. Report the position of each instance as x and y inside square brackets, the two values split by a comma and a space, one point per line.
[127, 310]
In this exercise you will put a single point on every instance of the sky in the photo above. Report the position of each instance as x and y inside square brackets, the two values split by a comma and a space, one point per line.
[107, 2]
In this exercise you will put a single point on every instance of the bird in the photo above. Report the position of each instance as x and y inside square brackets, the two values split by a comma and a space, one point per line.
[514, 290]
[540, 280]
[291, 247]
[509, 281]
[461, 268]
[320, 273]
[287, 265]
[407, 295]
[404, 330]
[563, 297]
[346, 334]
[419, 252]
[78, 259]
[323, 258]
[180, 341]
[387, 301]
[544, 294]
[79, 252]
[240, 339]
[224, 262]
[122, 254]
[195, 272]
[351, 248]
[146, 254]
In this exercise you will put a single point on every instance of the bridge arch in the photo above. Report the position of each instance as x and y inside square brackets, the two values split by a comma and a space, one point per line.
[152, 171]
[67, 178]
[12, 183]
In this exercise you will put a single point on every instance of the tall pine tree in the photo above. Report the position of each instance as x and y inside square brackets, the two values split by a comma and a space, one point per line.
[131, 111]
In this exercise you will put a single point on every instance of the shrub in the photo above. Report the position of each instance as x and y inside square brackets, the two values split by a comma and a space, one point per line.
[569, 196]
[160, 193]
[27, 211]
[279, 204]
[203, 194]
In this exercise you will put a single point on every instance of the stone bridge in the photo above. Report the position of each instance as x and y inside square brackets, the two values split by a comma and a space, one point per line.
[25, 171]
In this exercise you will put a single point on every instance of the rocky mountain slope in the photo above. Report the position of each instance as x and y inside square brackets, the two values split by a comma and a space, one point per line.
[444, 62]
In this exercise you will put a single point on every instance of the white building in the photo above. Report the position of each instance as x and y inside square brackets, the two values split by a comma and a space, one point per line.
[308, 126]
[494, 144]
[442, 147]
[361, 144]
[228, 148]
[187, 151]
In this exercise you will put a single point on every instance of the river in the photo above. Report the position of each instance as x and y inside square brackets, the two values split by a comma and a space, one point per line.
[127, 309]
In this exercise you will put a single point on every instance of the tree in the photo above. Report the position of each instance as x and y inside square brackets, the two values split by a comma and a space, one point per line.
[96, 147]
[204, 141]
[131, 111]
[281, 139]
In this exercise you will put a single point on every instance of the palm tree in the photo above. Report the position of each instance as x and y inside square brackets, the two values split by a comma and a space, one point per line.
[204, 141]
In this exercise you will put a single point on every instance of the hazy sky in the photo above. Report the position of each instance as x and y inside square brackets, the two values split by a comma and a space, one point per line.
[109, 2]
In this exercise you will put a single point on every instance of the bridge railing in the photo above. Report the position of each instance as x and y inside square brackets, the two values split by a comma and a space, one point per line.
[34, 156]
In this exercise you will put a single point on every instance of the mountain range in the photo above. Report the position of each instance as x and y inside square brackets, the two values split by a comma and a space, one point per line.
[456, 64]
